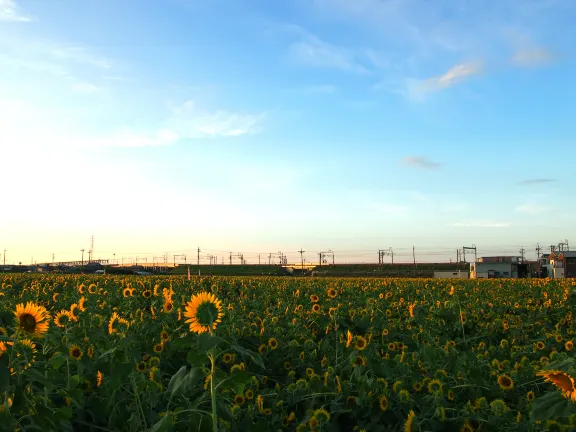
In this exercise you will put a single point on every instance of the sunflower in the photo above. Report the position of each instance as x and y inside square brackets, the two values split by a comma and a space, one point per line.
[141, 366]
[505, 382]
[262, 348]
[309, 372]
[383, 403]
[99, 378]
[73, 308]
[272, 343]
[2, 348]
[409, 421]
[239, 400]
[81, 304]
[360, 343]
[62, 318]
[569, 345]
[158, 348]
[75, 352]
[164, 336]
[168, 307]
[314, 298]
[126, 292]
[32, 319]
[530, 396]
[332, 293]
[3, 331]
[204, 312]
[228, 358]
[562, 380]
[147, 293]
[349, 338]
[316, 308]
[435, 386]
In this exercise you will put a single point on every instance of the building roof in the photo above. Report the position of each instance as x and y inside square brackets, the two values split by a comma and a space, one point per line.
[567, 254]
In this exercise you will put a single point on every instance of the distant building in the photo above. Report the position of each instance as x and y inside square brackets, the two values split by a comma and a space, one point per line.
[558, 265]
[498, 267]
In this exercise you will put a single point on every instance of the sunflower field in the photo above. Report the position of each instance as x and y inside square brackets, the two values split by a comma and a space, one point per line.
[163, 353]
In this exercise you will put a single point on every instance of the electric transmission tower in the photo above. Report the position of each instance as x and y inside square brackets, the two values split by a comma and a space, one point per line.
[324, 255]
[382, 253]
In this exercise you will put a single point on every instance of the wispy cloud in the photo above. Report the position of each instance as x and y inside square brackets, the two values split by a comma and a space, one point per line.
[482, 224]
[84, 87]
[532, 57]
[50, 57]
[420, 162]
[9, 11]
[454, 76]
[531, 208]
[193, 123]
[537, 181]
[313, 51]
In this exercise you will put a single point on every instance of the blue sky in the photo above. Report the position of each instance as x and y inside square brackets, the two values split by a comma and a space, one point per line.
[258, 126]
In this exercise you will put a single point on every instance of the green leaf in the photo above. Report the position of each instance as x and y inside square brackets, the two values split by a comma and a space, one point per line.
[196, 358]
[57, 361]
[207, 341]
[176, 379]
[256, 358]
[106, 353]
[164, 424]
[39, 377]
[552, 406]
[183, 381]
[224, 412]
[236, 382]
[184, 342]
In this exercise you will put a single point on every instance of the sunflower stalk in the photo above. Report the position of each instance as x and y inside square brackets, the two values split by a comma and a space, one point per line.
[212, 389]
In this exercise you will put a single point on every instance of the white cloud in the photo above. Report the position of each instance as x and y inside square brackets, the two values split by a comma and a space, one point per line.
[420, 162]
[79, 54]
[482, 224]
[455, 75]
[83, 87]
[192, 123]
[532, 208]
[9, 11]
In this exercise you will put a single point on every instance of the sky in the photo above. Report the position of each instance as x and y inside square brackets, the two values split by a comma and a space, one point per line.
[255, 126]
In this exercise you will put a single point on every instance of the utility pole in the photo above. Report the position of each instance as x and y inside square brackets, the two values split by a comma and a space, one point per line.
[198, 261]
[230, 258]
[302, 259]
[4, 266]
[258, 259]
[522, 251]
[538, 249]
[82, 250]
[414, 258]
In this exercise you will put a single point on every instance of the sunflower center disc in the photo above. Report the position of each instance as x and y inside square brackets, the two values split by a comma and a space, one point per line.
[28, 322]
